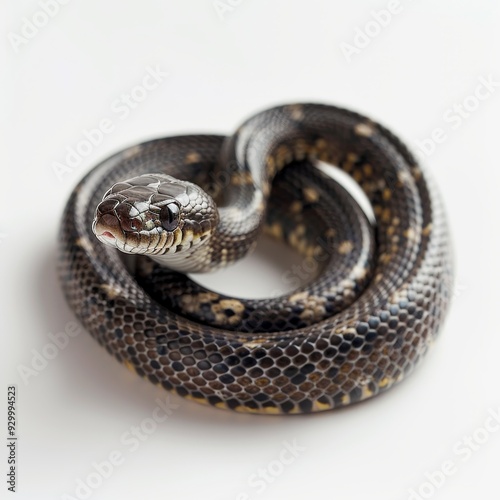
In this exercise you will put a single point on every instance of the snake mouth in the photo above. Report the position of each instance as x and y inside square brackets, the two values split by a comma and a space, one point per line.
[107, 230]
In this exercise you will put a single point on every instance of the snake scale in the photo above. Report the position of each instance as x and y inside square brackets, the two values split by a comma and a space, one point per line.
[195, 203]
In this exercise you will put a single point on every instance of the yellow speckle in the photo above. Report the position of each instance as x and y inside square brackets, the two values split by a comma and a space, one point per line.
[294, 240]
[271, 410]
[369, 187]
[417, 173]
[208, 296]
[202, 401]
[301, 149]
[310, 251]
[283, 156]
[245, 409]
[299, 296]
[346, 247]
[367, 169]
[427, 230]
[384, 258]
[242, 179]
[300, 229]
[295, 410]
[233, 304]
[271, 165]
[268, 410]
[111, 291]
[192, 158]
[357, 176]
[404, 178]
[366, 392]
[296, 207]
[274, 230]
[384, 382]
[129, 365]
[350, 161]
[325, 156]
[364, 130]
[386, 215]
[191, 303]
[306, 315]
[321, 144]
[317, 406]
[128, 153]
[359, 272]
[345, 330]
[83, 243]
[386, 194]
[411, 234]
[251, 344]
[296, 111]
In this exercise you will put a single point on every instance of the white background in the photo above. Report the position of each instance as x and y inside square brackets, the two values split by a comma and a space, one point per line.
[222, 68]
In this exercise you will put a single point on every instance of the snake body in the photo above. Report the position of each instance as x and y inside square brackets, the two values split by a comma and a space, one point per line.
[359, 327]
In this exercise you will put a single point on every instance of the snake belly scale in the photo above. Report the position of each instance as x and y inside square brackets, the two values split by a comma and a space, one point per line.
[358, 328]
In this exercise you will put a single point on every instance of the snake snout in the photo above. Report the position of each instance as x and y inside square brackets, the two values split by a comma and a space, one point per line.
[106, 224]
[107, 228]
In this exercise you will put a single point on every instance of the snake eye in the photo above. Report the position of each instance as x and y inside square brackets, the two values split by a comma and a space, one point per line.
[169, 216]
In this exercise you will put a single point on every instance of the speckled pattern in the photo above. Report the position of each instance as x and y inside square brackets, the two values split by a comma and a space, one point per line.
[364, 348]
[341, 269]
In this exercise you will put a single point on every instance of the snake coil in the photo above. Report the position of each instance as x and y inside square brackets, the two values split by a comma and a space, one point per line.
[359, 327]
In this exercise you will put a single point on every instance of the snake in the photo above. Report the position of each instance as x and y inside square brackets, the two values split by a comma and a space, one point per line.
[140, 225]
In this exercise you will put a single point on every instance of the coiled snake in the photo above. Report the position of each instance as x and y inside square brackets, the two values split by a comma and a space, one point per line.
[358, 328]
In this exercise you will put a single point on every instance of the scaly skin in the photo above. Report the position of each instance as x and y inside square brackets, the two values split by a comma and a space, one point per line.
[369, 345]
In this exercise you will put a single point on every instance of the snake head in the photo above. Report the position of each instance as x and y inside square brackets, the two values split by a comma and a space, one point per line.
[155, 214]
